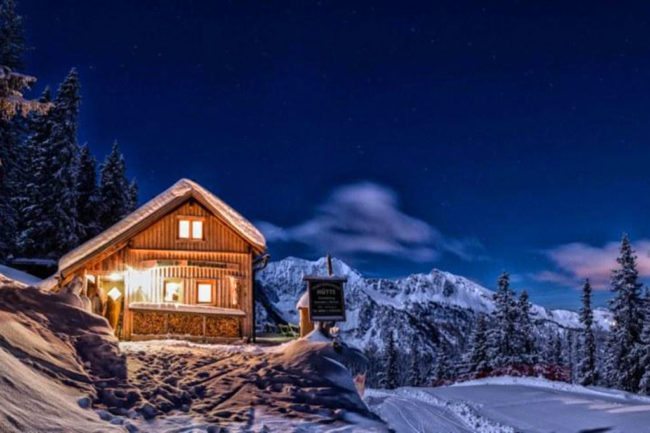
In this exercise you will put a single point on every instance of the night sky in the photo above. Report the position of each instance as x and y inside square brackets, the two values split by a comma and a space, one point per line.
[398, 136]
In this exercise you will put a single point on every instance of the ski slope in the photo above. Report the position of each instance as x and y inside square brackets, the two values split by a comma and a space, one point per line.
[509, 405]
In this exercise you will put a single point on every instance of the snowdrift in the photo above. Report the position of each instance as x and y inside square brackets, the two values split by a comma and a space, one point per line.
[300, 386]
[52, 355]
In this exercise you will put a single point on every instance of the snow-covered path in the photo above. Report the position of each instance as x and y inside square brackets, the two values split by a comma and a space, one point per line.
[409, 414]
[512, 405]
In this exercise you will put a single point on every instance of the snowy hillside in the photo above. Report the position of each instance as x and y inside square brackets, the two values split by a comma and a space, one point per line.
[508, 405]
[426, 311]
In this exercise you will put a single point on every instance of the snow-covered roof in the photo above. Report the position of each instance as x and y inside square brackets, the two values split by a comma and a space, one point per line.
[155, 208]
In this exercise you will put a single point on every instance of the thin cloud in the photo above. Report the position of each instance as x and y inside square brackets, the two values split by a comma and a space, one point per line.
[577, 261]
[365, 218]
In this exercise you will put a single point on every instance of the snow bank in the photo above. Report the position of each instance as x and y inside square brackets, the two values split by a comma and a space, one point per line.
[10, 275]
[52, 356]
[302, 385]
[538, 382]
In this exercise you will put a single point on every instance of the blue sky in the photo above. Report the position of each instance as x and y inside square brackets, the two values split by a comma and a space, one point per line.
[459, 135]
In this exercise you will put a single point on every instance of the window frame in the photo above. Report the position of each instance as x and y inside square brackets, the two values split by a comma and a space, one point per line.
[181, 291]
[213, 290]
[191, 221]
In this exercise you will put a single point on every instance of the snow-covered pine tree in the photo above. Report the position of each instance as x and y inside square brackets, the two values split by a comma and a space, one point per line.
[587, 366]
[622, 363]
[643, 351]
[12, 38]
[34, 182]
[478, 359]
[414, 374]
[12, 48]
[133, 196]
[88, 195]
[442, 369]
[555, 355]
[117, 196]
[51, 228]
[526, 351]
[502, 333]
[390, 363]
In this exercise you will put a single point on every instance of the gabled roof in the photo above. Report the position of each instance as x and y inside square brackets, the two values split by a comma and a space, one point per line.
[156, 208]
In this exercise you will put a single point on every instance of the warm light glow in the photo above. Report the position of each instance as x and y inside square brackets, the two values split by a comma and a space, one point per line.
[114, 293]
[172, 291]
[197, 229]
[116, 276]
[184, 229]
[204, 294]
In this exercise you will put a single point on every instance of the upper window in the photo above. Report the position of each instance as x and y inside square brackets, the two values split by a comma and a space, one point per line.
[190, 228]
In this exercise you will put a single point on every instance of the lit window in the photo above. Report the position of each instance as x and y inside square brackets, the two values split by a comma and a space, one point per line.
[204, 295]
[197, 229]
[190, 229]
[184, 229]
[173, 291]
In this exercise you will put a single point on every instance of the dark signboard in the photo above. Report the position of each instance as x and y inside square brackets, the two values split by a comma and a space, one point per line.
[326, 299]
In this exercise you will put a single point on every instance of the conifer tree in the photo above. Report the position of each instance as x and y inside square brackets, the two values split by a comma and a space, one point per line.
[12, 47]
[414, 374]
[441, 371]
[478, 358]
[555, 355]
[117, 196]
[587, 367]
[622, 364]
[525, 338]
[643, 351]
[88, 195]
[502, 334]
[390, 363]
[12, 39]
[30, 209]
[52, 225]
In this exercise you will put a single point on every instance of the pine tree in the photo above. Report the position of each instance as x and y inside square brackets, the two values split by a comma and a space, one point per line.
[117, 196]
[414, 374]
[622, 363]
[556, 356]
[12, 47]
[12, 39]
[52, 227]
[390, 364]
[133, 196]
[643, 350]
[441, 371]
[478, 359]
[503, 333]
[525, 338]
[587, 367]
[88, 195]
[36, 175]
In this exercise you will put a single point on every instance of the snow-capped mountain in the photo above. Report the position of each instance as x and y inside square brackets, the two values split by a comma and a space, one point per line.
[425, 311]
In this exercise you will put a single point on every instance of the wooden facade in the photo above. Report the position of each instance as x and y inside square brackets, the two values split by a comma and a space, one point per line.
[171, 284]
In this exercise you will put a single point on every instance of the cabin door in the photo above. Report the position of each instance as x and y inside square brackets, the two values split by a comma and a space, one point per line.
[113, 290]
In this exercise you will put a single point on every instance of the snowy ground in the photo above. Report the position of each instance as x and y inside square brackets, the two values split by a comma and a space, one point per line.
[299, 386]
[62, 370]
[511, 405]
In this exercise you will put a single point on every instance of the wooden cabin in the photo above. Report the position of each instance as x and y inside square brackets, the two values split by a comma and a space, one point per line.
[179, 266]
